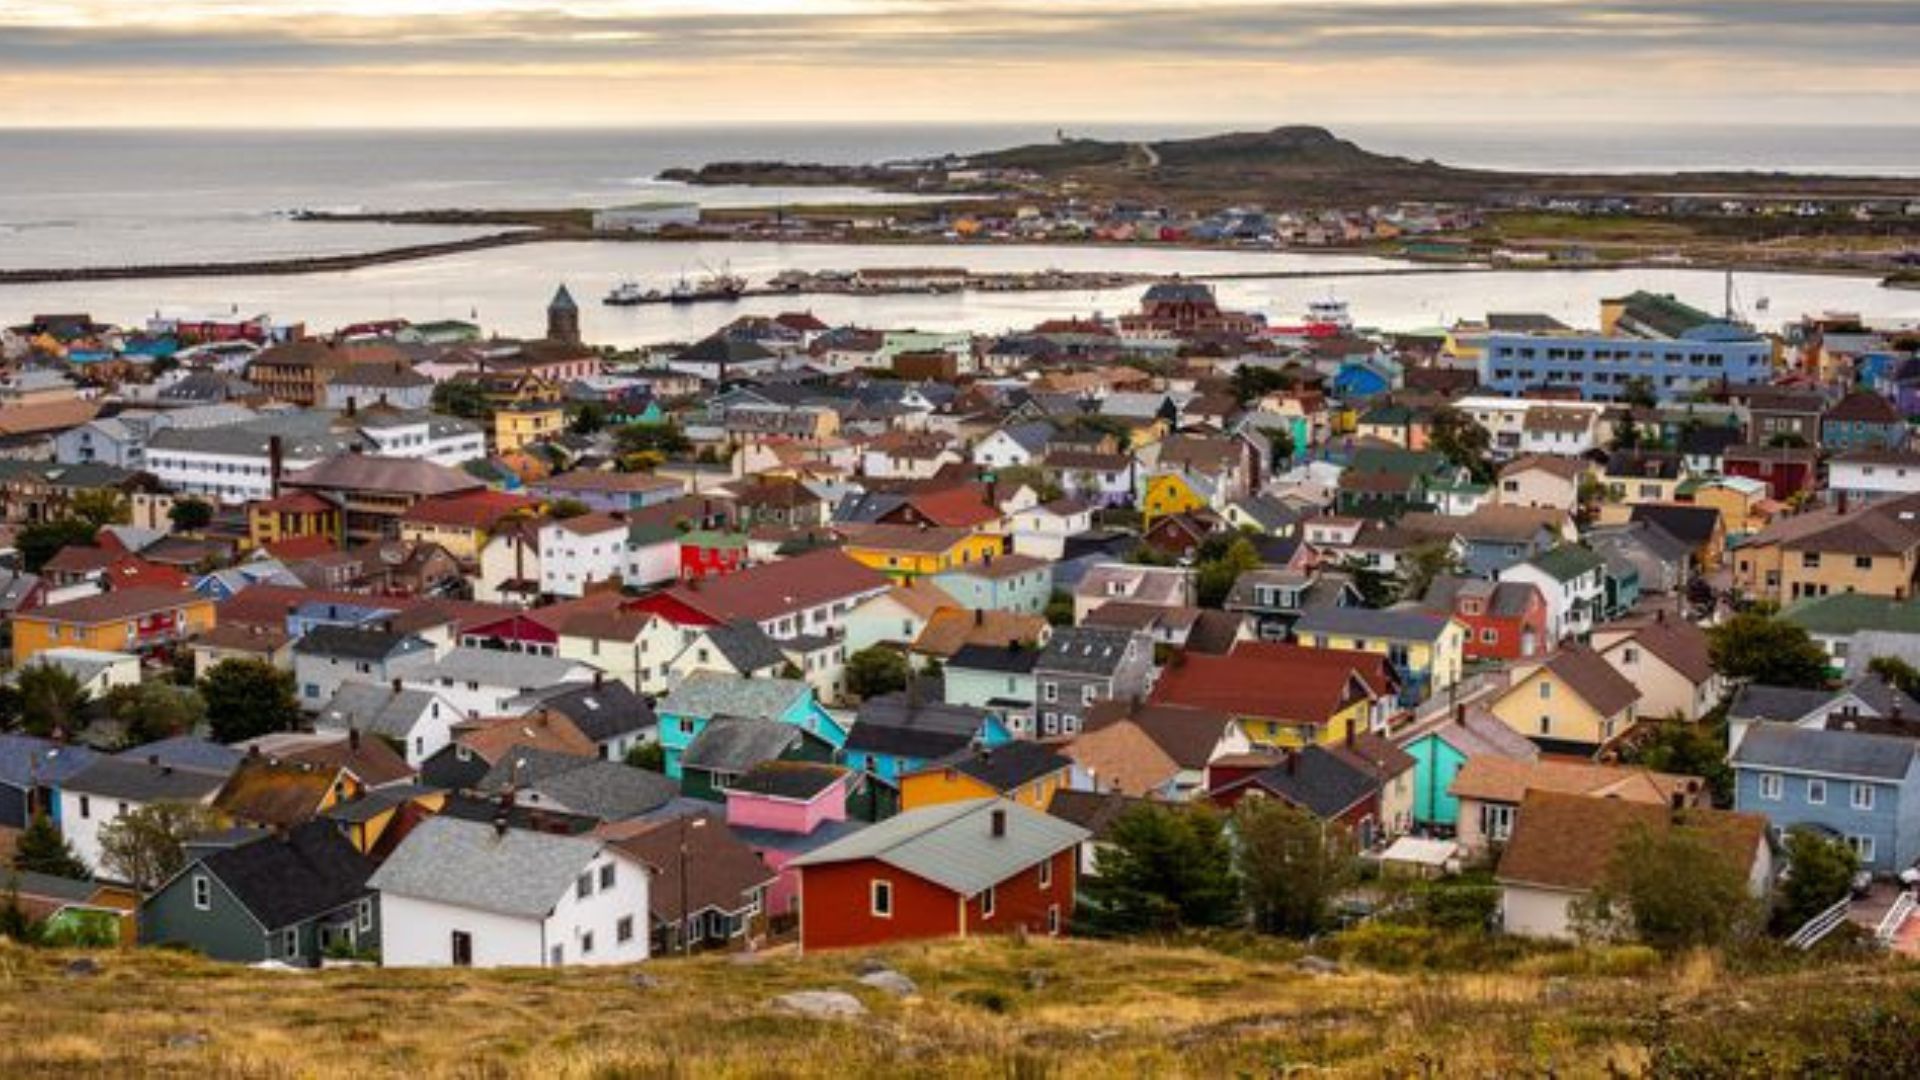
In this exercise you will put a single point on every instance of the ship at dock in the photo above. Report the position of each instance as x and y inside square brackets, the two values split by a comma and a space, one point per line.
[709, 287]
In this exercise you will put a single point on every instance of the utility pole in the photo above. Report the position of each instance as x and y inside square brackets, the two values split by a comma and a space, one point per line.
[686, 938]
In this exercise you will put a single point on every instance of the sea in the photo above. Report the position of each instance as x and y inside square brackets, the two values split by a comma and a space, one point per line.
[96, 197]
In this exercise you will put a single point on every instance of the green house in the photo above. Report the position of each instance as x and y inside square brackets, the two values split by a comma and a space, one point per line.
[293, 898]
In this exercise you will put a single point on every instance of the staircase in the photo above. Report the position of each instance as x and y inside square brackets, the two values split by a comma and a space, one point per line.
[1817, 928]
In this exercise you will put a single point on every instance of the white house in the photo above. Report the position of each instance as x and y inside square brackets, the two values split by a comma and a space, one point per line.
[580, 551]
[652, 556]
[443, 440]
[509, 568]
[481, 894]
[418, 720]
[109, 787]
[1042, 530]
[1014, 446]
[1573, 581]
[1874, 474]
[483, 682]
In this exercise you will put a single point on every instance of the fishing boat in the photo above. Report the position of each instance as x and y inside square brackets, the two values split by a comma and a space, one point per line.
[713, 286]
[629, 293]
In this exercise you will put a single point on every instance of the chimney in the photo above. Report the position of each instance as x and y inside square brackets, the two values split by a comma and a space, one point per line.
[353, 738]
[353, 405]
[979, 616]
[396, 685]
[1293, 761]
[1660, 616]
[999, 821]
[1460, 715]
[1843, 500]
[276, 464]
[253, 751]
[599, 679]
[500, 825]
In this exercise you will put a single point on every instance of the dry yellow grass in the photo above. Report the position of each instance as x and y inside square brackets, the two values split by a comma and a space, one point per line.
[996, 1009]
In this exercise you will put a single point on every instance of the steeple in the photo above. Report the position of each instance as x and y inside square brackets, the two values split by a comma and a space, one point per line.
[563, 317]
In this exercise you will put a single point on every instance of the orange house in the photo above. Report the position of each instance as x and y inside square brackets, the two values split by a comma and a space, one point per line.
[1026, 772]
[292, 515]
[126, 620]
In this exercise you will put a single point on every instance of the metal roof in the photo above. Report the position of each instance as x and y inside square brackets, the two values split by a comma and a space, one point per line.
[953, 846]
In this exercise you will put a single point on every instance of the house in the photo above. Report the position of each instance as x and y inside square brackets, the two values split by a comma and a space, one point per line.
[729, 747]
[1333, 787]
[1636, 477]
[1017, 583]
[896, 616]
[737, 648]
[374, 493]
[327, 658]
[1488, 791]
[1544, 481]
[1873, 549]
[783, 809]
[1782, 416]
[1023, 771]
[139, 620]
[1563, 847]
[1787, 471]
[459, 893]
[1153, 750]
[998, 678]
[295, 897]
[97, 672]
[1013, 446]
[1860, 787]
[266, 792]
[1082, 665]
[896, 734]
[1865, 703]
[607, 711]
[1283, 695]
[977, 866]
[1162, 586]
[1425, 650]
[480, 745]
[1574, 582]
[1573, 702]
[1866, 475]
[31, 773]
[1504, 620]
[1662, 563]
[1041, 531]
[550, 782]
[904, 552]
[709, 888]
[1493, 538]
[1667, 658]
[1842, 622]
[704, 696]
[1100, 479]
[107, 789]
[1701, 528]
[805, 595]
[1863, 420]
[581, 553]
[482, 682]
[1274, 599]
[1440, 746]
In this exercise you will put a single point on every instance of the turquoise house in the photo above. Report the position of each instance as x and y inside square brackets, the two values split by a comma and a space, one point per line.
[896, 734]
[1440, 751]
[1016, 583]
[704, 695]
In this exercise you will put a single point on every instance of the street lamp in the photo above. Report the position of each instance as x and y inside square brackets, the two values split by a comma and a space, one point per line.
[686, 823]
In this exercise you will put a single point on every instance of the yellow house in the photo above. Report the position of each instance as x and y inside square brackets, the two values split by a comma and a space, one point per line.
[1572, 703]
[463, 523]
[1025, 772]
[1427, 650]
[1168, 494]
[367, 820]
[1825, 552]
[1636, 479]
[295, 514]
[904, 552]
[1283, 696]
[525, 423]
[125, 620]
[1744, 503]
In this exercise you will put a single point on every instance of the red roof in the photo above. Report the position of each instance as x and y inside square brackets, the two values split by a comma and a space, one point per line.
[129, 572]
[300, 548]
[1270, 679]
[777, 588]
[296, 502]
[961, 507]
[470, 510]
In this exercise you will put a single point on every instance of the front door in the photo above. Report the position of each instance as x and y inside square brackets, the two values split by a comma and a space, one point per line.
[462, 949]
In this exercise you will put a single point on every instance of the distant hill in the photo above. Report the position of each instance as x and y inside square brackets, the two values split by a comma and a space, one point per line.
[1294, 147]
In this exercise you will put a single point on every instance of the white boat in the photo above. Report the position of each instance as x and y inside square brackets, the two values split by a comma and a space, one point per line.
[627, 293]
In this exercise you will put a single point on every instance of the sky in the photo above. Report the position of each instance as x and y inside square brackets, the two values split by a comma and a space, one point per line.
[438, 63]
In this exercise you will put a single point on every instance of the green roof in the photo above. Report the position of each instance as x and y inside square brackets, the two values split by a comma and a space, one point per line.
[1844, 614]
[708, 538]
[1376, 459]
[1568, 561]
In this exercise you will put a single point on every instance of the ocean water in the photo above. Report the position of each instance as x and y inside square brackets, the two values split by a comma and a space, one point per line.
[101, 197]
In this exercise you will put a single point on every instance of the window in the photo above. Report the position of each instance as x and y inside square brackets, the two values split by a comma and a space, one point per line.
[1050, 692]
[86, 807]
[623, 930]
[1046, 874]
[1086, 695]
[290, 943]
[1862, 846]
[366, 916]
[606, 877]
[1496, 821]
[1862, 797]
[202, 893]
[1816, 792]
[583, 886]
[586, 943]
[1546, 724]
[881, 899]
[1546, 690]
[1770, 786]
[1053, 918]
[1489, 637]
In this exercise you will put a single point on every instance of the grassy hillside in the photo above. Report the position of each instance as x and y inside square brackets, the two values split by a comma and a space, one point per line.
[984, 1009]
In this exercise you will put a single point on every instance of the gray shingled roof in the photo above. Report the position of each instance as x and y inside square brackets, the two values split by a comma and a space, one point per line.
[952, 845]
[27, 760]
[496, 667]
[1084, 650]
[470, 864]
[1409, 624]
[140, 782]
[378, 710]
[711, 693]
[607, 790]
[734, 745]
[1817, 750]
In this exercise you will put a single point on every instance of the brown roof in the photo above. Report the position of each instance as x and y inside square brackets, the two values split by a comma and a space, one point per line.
[112, 607]
[724, 873]
[272, 792]
[242, 637]
[1186, 735]
[950, 629]
[922, 598]
[1377, 756]
[1489, 522]
[371, 472]
[589, 524]
[1507, 780]
[540, 730]
[371, 760]
[1564, 467]
[1273, 681]
[780, 588]
[470, 509]
[1586, 673]
[1121, 756]
[45, 417]
[1567, 842]
[1679, 643]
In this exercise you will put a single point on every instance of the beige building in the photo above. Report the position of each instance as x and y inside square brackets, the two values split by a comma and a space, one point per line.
[1542, 481]
[1875, 551]
[1490, 790]
[1667, 659]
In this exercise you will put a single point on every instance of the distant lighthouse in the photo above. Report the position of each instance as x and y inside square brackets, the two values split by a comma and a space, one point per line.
[563, 317]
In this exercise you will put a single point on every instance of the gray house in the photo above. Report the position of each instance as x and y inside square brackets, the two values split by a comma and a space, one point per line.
[329, 656]
[1085, 664]
[290, 898]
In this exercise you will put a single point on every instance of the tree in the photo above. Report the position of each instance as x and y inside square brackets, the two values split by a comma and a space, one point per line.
[146, 846]
[876, 670]
[51, 699]
[42, 541]
[1686, 749]
[650, 756]
[1423, 562]
[1251, 381]
[1671, 888]
[1214, 578]
[1896, 673]
[155, 710]
[1639, 393]
[1820, 872]
[588, 419]
[100, 507]
[665, 439]
[1060, 608]
[1291, 866]
[1759, 648]
[461, 398]
[1377, 588]
[188, 515]
[42, 850]
[1462, 441]
[1280, 448]
[1164, 868]
[562, 509]
[247, 698]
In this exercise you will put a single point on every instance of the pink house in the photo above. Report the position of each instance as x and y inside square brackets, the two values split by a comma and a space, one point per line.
[784, 809]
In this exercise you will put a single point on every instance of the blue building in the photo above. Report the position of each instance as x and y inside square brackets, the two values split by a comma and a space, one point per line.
[1605, 366]
[895, 735]
[1863, 420]
[1860, 787]
[704, 695]
[1018, 583]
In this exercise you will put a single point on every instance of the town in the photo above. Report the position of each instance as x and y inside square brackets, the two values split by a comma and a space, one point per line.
[401, 643]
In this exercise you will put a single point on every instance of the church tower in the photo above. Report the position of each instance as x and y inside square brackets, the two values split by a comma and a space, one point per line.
[563, 318]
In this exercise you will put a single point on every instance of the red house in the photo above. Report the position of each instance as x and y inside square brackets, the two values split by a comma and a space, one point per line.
[1786, 470]
[711, 554]
[1332, 783]
[979, 866]
[1505, 620]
